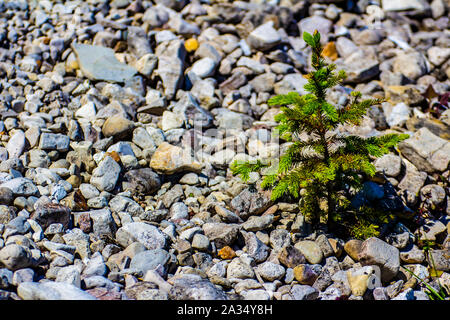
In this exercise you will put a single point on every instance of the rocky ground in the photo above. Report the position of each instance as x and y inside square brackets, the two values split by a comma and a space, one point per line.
[114, 179]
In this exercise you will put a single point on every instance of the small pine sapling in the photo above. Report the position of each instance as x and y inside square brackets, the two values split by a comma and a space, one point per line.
[323, 168]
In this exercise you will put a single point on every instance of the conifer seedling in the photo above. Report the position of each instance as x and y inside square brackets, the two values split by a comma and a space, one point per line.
[323, 168]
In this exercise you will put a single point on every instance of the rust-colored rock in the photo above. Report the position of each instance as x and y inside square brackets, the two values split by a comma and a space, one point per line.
[330, 51]
[226, 253]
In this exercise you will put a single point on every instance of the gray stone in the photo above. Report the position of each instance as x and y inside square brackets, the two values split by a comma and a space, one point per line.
[426, 151]
[103, 223]
[412, 182]
[359, 67]
[258, 294]
[192, 113]
[69, 274]
[249, 203]
[440, 259]
[255, 223]
[345, 47]
[21, 186]
[222, 234]
[200, 242]
[171, 57]
[96, 266]
[412, 255]
[124, 204]
[14, 257]
[16, 144]
[6, 278]
[137, 42]
[143, 181]
[330, 293]
[54, 141]
[78, 239]
[99, 281]
[149, 260]
[433, 194]
[291, 82]
[227, 215]
[218, 270]
[403, 5]
[142, 139]
[147, 64]
[146, 234]
[313, 23]
[99, 63]
[405, 295]
[438, 56]
[89, 191]
[204, 67]
[191, 287]
[179, 210]
[19, 224]
[239, 269]
[412, 65]
[377, 252]
[255, 247]
[23, 275]
[183, 27]
[397, 115]
[264, 37]
[303, 292]
[389, 164]
[270, 271]
[279, 238]
[325, 246]
[310, 250]
[105, 176]
[380, 294]
[263, 82]
[399, 241]
[251, 64]
[50, 290]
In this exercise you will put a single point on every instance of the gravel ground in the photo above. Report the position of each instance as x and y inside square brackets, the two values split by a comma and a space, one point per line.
[119, 120]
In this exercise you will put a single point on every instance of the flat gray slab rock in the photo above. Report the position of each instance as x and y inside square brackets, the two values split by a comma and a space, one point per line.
[99, 63]
[51, 291]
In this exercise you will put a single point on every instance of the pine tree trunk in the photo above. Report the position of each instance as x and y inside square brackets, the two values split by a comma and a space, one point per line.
[330, 184]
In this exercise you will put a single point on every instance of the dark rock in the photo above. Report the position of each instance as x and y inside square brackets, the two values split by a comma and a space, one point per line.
[49, 213]
[6, 196]
[142, 181]
[222, 234]
[291, 257]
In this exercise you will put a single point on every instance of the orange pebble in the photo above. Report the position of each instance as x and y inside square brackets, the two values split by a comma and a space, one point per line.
[191, 45]
[226, 253]
[330, 51]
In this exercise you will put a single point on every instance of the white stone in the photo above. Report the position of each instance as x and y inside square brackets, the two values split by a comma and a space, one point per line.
[16, 144]
[204, 67]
